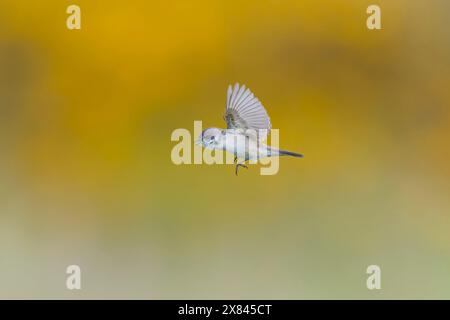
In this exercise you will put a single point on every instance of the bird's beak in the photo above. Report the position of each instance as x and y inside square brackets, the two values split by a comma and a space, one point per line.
[198, 142]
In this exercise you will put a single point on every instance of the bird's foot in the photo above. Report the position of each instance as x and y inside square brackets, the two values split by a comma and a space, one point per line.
[240, 165]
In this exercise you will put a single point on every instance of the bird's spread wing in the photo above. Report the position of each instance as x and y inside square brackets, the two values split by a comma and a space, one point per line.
[245, 111]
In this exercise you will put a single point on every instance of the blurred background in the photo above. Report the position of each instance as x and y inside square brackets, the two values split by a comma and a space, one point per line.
[86, 176]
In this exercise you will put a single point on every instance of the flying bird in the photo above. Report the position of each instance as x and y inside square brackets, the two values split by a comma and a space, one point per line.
[248, 126]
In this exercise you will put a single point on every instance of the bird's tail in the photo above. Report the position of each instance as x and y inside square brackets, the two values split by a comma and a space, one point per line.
[289, 153]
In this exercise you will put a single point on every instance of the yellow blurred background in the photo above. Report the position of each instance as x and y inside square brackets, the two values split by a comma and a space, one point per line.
[86, 176]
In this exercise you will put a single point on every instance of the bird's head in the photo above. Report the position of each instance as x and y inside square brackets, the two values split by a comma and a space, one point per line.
[210, 138]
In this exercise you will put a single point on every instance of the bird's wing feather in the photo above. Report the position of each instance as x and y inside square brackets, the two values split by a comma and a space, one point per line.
[245, 111]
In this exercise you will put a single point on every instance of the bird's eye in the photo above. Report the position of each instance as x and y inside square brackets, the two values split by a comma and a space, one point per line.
[212, 138]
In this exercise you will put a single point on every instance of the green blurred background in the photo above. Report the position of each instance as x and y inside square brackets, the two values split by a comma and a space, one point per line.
[85, 171]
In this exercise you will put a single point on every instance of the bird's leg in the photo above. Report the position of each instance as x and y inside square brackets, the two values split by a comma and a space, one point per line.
[235, 159]
[240, 165]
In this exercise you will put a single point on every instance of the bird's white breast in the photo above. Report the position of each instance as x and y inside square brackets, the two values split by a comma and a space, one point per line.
[242, 146]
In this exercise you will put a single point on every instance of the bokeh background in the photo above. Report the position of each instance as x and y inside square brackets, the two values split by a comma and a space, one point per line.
[85, 171]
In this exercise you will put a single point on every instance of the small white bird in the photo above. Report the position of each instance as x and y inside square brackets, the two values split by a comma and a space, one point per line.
[247, 127]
